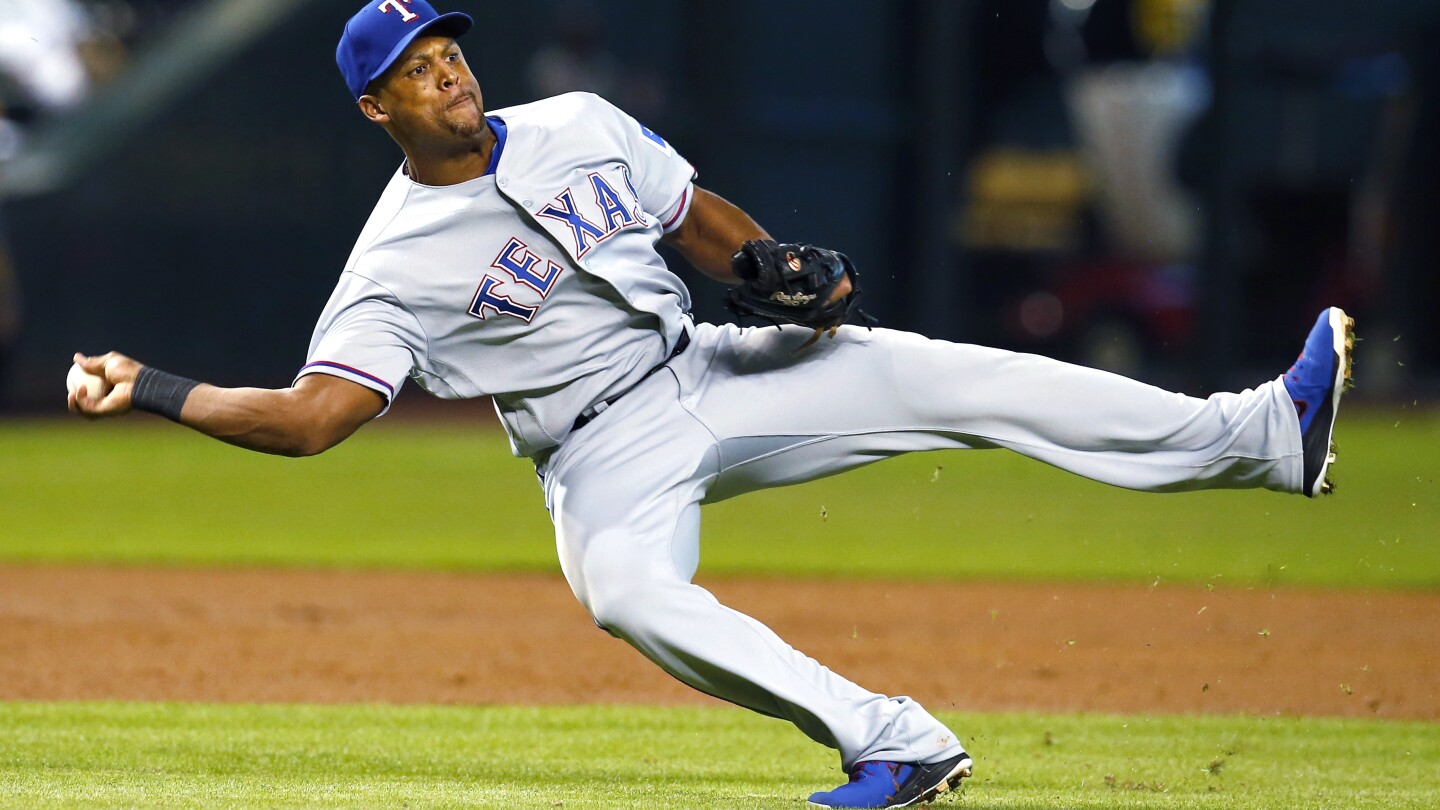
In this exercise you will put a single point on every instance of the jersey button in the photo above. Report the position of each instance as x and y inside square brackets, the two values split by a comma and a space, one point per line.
[504, 181]
[527, 203]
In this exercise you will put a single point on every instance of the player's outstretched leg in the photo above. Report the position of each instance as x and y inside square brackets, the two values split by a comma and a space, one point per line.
[1315, 383]
[865, 396]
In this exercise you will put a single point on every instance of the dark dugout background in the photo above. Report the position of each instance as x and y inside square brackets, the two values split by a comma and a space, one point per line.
[207, 243]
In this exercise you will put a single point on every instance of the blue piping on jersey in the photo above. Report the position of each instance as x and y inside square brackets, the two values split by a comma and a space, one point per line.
[497, 126]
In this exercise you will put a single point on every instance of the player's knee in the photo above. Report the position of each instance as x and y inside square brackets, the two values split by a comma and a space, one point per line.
[624, 591]
[632, 607]
[620, 607]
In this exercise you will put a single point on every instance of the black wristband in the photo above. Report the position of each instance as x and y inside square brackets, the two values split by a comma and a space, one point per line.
[159, 392]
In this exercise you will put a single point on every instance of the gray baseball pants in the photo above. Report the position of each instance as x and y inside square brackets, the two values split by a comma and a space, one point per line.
[746, 409]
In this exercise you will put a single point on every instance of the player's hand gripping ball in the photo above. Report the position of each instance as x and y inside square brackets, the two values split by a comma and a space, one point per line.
[95, 388]
[786, 283]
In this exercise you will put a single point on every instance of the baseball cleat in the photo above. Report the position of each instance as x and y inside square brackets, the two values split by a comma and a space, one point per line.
[1321, 374]
[895, 784]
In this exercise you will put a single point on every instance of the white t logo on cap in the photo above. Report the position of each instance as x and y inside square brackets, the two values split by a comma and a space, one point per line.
[405, 14]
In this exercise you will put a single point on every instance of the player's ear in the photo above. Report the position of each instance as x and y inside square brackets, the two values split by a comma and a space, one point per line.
[371, 108]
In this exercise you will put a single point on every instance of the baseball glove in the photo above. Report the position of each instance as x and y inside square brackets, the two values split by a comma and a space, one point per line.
[785, 283]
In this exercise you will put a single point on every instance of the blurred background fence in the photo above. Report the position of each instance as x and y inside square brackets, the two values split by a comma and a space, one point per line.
[1166, 188]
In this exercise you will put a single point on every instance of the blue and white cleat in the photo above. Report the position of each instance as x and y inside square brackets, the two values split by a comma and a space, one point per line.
[895, 784]
[1315, 384]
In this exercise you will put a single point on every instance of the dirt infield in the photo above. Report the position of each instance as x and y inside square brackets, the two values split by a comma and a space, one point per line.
[296, 636]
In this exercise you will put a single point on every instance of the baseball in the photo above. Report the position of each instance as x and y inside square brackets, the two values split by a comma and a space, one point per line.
[78, 378]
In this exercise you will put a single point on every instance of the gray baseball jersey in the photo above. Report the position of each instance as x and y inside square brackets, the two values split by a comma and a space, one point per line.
[537, 284]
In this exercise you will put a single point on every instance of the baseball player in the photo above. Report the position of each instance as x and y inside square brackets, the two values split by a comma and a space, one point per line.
[513, 255]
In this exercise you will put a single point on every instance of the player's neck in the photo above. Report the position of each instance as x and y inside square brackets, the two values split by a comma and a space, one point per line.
[447, 164]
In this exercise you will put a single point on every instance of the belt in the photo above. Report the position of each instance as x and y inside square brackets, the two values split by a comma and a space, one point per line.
[589, 414]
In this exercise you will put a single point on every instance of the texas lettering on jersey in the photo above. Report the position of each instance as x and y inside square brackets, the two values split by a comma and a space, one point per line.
[523, 267]
[613, 211]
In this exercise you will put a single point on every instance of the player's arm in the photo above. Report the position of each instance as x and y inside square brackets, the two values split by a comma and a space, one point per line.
[317, 413]
[711, 233]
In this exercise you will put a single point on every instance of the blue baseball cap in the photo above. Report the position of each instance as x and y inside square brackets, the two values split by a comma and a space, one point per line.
[381, 31]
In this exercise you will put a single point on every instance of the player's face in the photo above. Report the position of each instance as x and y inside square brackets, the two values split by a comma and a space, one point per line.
[430, 93]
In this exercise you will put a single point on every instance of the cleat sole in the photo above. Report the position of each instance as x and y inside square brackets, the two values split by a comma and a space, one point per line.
[1344, 328]
[962, 771]
[1348, 342]
[1327, 487]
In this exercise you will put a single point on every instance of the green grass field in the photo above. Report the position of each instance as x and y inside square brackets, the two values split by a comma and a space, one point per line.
[405, 496]
[124, 755]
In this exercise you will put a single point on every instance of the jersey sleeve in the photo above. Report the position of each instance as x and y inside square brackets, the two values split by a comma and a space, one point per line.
[367, 337]
[661, 177]
[671, 217]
